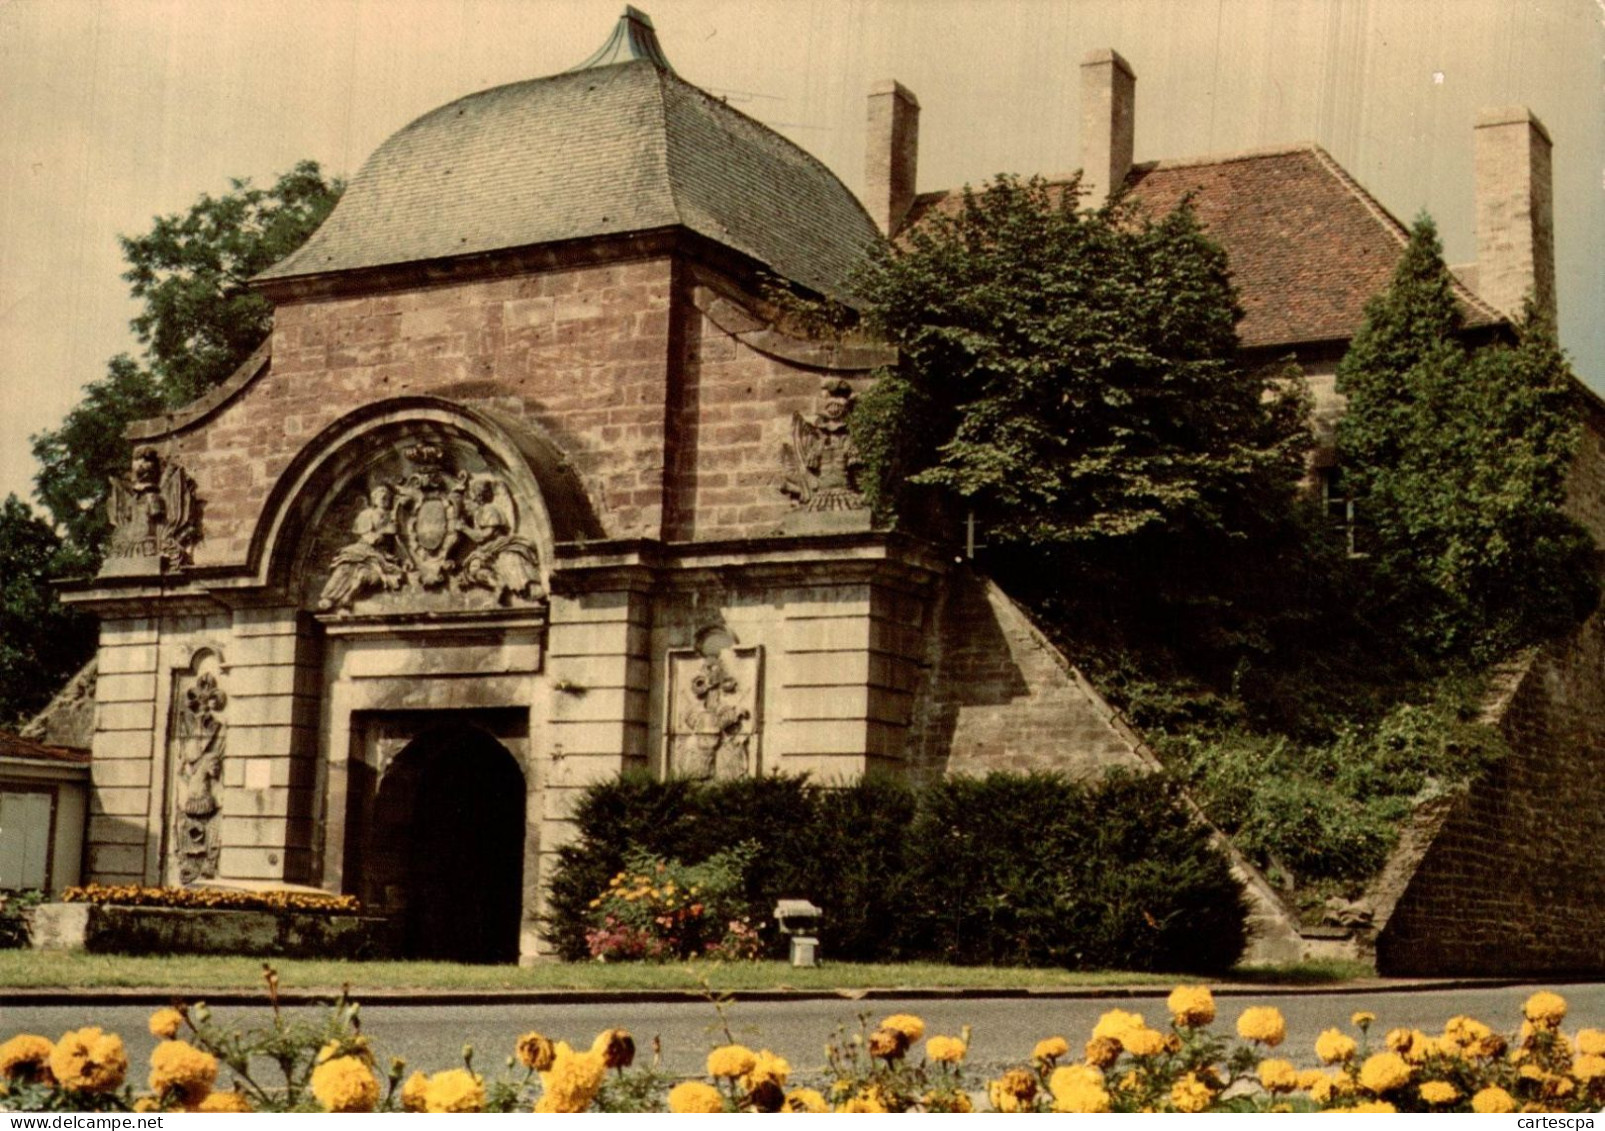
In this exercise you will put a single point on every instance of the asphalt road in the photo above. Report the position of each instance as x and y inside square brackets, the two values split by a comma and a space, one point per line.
[1004, 1029]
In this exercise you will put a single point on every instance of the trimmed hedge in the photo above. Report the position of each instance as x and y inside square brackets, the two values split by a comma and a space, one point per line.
[1010, 869]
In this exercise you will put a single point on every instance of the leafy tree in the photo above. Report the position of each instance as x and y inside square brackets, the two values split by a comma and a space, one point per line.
[1458, 456]
[1070, 377]
[41, 644]
[199, 323]
[1073, 374]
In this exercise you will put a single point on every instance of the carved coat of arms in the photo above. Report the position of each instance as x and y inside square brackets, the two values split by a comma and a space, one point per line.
[155, 516]
[436, 528]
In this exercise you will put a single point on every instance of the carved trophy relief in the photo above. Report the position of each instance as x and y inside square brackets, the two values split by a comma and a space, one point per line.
[430, 534]
[820, 466]
[199, 740]
[155, 516]
[712, 715]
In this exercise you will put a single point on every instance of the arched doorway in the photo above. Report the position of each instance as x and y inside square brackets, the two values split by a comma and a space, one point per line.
[448, 841]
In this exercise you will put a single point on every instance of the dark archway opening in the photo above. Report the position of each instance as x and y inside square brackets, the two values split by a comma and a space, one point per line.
[448, 847]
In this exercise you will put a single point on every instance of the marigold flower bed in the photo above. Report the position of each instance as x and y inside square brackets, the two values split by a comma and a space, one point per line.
[1179, 1065]
[213, 899]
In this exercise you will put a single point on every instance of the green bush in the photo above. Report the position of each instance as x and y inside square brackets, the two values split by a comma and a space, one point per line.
[1039, 870]
[1013, 869]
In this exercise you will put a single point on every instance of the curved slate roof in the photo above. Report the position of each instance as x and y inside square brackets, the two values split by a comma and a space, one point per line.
[603, 151]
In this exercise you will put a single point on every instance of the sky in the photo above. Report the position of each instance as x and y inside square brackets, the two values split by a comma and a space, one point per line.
[115, 111]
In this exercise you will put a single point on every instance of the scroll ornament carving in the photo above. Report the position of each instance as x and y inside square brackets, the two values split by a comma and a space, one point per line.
[820, 465]
[201, 736]
[435, 528]
[155, 516]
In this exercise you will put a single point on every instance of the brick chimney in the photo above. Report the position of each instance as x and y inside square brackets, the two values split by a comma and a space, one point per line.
[1108, 123]
[891, 157]
[1515, 210]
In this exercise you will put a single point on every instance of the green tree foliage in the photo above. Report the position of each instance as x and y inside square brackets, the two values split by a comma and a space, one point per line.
[1458, 456]
[1071, 374]
[199, 323]
[41, 644]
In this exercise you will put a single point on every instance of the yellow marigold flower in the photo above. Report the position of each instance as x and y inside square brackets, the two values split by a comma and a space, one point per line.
[1116, 1024]
[345, 1084]
[1589, 1067]
[1324, 1090]
[803, 1101]
[887, 1044]
[1462, 1030]
[863, 1104]
[1362, 1020]
[535, 1052]
[1144, 1042]
[182, 1072]
[1335, 1046]
[731, 1061]
[693, 1097]
[616, 1048]
[1493, 1101]
[1101, 1052]
[1384, 1071]
[88, 1060]
[1309, 1078]
[1591, 1042]
[1191, 1094]
[1546, 1009]
[1004, 1099]
[141, 1103]
[1439, 1092]
[769, 1069]
[907, 1024]
[1278, 1075]
[25, 1057]
[1262, 1023]
[572, 1082]
[454, 1090]
[1078, 1088]
[944, 1050]
[225, 1103]
[412, 1092]
[1374, 1107]
[1051, 1049]
[1018, 1083]
[1191, 1006]
[164, 1023]
[1398, 1040]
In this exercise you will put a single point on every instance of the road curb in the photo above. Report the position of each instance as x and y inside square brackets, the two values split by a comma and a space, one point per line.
[155, 995]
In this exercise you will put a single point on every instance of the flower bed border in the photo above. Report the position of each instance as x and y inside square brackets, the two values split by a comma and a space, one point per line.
[105, 928]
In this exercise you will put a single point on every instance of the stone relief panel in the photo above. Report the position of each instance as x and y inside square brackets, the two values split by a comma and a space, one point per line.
[712, 725]
[820, 466]
[155, 517]
[198, 742]
[432, 526]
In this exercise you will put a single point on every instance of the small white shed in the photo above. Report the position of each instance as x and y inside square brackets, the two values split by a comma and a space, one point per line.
[44, 796]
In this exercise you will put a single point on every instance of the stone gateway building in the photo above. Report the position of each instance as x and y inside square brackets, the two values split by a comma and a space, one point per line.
[527, 488]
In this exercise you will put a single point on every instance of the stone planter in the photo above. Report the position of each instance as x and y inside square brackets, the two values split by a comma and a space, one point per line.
[114, 929]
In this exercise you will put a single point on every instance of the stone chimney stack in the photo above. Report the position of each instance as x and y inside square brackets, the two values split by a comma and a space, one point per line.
[891, 157]
[1515, 211]
[1108, 123]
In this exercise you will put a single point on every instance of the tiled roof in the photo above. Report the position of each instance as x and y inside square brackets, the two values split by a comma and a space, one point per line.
[1308, 246]
[15, 746]
[602, 151]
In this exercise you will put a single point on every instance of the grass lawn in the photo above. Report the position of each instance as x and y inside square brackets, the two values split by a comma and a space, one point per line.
[191, 973]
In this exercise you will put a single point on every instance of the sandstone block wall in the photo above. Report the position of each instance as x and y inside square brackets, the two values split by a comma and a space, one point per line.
[582, 353]
[998, 696]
